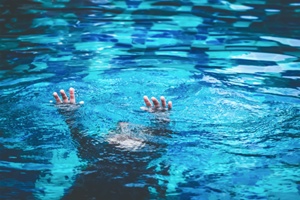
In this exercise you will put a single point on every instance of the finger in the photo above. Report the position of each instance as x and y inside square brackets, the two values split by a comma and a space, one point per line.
[147, 101]
[72, 95]
[170, 105]
[57, 98]
[163, 101]
[64, 96]
[155, 102]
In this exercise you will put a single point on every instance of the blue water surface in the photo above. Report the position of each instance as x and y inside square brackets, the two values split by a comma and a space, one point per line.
[231, 69]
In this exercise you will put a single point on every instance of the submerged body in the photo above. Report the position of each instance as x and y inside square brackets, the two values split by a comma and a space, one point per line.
[117, 168]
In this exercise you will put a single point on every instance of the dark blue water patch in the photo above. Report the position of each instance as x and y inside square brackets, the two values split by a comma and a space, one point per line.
[286, 24]
[215, 42]
[98, 37]
[14, 58]
[79, 3]
[60, 69]
[138, 39]
[283, 49]
[68, 48]
[250, 176]
[281, 82]
[142, 25]
[197, 76]
[15, 16]
[83, 55]
[202, 29]
[175, 4]
[89, 188]
[169, 34]
[182, 91]
[253, 62]
[199, 51]
[113, 71]
[82, 11]
[141, 29]
[292, 73]
[205, 187]
[201, 67]
[205, 12]
[199, 56]
[155, 12]
[133, 3]
[291, 158]
[124, 60]
[123, 45]
[199, 36]
[18, 184]
[114, 173]
[144, 50]
[214, 2]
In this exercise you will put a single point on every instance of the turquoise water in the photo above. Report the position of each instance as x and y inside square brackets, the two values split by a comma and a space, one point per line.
[231, 69]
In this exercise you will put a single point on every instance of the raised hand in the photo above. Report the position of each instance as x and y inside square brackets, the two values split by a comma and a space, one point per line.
[65, 97]
[156, 105]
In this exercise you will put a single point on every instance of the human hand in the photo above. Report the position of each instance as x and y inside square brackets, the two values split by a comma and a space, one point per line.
[65, 97]
[67, 107]
[156, 106]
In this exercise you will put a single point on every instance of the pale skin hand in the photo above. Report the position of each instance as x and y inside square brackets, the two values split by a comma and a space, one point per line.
[156, 106]
[122, 137]
[149, 107]
[65, 97]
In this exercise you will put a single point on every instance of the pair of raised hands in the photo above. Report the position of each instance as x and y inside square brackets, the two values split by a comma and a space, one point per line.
[156, 106]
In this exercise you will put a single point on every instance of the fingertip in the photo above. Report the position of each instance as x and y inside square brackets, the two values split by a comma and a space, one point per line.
[72, 96]
[56, 97]
[162, 97]
[61, 91]
[147, 101]
[170, 105]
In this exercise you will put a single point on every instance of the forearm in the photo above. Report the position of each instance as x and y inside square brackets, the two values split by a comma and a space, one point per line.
[84, 143]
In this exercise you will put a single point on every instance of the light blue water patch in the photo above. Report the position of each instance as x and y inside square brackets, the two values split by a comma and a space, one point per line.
[53, 183]
[257, 56]
[286, 41]
[61, 58]
[49, 22]
[249, 17]
[6, 44]
[41, 39]
[91, 46]
[12, 81]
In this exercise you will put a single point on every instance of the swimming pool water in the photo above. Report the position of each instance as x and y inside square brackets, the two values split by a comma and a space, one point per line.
[231, 69]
